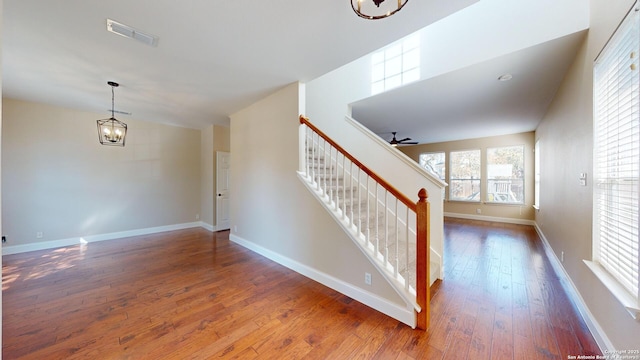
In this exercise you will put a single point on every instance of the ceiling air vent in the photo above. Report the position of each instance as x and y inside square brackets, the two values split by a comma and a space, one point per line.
[127, 31]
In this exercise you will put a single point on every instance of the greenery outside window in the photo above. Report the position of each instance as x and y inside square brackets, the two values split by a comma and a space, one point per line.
[464, 184]
[434, 163]
[505, 175]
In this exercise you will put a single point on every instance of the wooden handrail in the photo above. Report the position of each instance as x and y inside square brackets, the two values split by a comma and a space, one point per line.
[400, 196]
[422, 211]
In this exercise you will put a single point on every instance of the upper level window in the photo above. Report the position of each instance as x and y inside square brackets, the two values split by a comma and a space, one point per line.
[616, 162]
[464, 184]
[396, 65]
[434, 163]
[505, 174]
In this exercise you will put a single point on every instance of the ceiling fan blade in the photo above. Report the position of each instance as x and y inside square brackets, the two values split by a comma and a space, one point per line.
[405, 139]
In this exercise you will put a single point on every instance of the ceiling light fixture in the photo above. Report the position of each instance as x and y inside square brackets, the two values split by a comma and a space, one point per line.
[505, 77]
[376, 9]
[112, 132]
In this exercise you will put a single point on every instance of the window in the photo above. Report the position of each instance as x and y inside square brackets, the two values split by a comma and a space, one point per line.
[396, 65]
[464, 179]
[536, 165]
[434, 163]
[616, 161]
[505, 174]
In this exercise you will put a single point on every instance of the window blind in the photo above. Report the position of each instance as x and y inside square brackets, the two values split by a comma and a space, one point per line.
[617, 155]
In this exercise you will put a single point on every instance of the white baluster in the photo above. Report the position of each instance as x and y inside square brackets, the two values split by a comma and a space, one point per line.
[397, 238]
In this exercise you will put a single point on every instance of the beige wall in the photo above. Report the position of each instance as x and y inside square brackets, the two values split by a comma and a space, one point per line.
[273, 210]
[57, 179]
[511, 212]
[566, 138]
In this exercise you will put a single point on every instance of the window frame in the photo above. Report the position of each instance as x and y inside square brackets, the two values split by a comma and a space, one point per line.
[408, 66]
[536, 175]
[616, 205]
[472, 179]
[433, 170]
[489, 180]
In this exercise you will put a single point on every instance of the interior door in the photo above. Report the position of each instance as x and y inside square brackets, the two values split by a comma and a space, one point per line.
[223, 161]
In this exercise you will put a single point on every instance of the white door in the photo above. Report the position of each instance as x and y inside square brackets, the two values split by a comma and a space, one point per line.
[223, 161]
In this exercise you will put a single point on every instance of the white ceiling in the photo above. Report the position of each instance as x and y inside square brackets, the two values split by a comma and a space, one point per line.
[213, 57]
[471, 102]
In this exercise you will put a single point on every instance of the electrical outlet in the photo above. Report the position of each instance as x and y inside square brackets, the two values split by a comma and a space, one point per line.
[235, 228]
[39, 235]
[367, 278]
[561, 256]
[478, 211]
[197, 216]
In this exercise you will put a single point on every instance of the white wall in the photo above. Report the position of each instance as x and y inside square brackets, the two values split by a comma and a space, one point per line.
[492, 28]
[272, 211]
[566, 139]
[57, 179]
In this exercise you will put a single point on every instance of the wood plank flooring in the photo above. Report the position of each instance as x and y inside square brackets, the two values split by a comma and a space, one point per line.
[191, 294]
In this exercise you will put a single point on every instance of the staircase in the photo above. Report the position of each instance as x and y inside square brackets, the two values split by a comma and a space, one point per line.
[391, 229]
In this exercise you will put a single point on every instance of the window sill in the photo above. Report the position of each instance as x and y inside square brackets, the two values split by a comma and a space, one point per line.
[626, 299]
[503, 203]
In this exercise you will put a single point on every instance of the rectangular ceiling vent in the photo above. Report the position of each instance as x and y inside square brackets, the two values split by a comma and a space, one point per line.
[127, 31]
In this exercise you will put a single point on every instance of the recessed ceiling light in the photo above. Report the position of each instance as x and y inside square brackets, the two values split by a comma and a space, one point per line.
[131, 33]
[505, 77]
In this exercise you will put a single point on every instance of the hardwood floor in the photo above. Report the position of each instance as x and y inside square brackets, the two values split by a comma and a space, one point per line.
[191, 294]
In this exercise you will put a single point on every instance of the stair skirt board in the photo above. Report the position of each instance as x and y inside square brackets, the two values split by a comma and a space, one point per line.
[405, 315]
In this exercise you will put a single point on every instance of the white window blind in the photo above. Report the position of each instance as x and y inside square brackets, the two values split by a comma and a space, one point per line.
[617, 155]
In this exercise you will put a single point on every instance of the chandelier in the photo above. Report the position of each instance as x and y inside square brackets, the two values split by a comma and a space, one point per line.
[112, 132]
[376, 9]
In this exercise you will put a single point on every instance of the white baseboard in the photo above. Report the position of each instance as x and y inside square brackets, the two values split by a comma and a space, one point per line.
[598, 334]
[406, 316]
[208, 226]
[44, 245]
[490, 218]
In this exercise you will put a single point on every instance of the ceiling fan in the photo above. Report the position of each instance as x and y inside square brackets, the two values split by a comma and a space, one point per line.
[405, 141]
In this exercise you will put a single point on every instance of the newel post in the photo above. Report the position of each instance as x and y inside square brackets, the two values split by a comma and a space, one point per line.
[422, 261]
